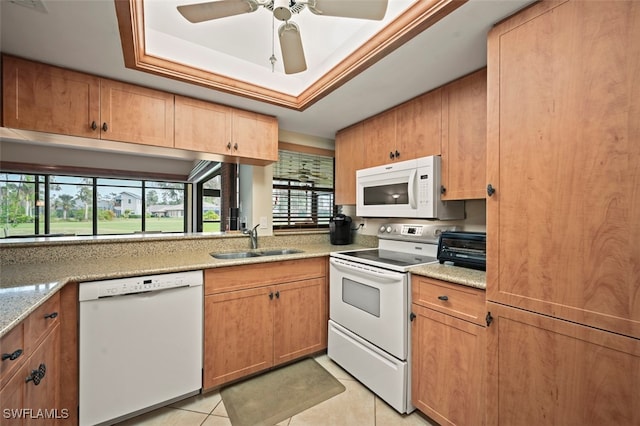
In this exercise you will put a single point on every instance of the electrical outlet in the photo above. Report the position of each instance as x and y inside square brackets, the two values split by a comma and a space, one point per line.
[264, 223]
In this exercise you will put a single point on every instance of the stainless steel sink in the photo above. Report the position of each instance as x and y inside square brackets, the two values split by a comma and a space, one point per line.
[277, 252]
[235, 255]
[246, 254]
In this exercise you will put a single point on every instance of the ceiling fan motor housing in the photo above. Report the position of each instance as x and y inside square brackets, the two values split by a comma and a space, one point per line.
[281, 10]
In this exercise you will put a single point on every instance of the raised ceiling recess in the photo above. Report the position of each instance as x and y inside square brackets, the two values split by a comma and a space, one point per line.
[415, 19]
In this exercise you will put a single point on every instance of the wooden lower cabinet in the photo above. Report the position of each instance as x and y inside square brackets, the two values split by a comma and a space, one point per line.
[253, 329]
[238, 335]
[448, 351]
[544, 370]
[35, 401]
[300, 319]
[448, 357]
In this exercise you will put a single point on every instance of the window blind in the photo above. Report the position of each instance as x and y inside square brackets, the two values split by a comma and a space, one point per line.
[303, 193]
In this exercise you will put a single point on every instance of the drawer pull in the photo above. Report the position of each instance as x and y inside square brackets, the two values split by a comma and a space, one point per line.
[37, 375]
[52, 315]
[445, 298]
[12, 356]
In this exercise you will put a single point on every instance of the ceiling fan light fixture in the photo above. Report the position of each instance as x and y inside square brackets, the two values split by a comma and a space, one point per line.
[281, 10]
[291, 47]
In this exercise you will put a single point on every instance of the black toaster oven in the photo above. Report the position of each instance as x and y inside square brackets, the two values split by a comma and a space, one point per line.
[467, 249]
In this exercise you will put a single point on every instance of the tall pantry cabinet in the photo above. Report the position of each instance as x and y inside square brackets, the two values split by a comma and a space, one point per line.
[563, 218]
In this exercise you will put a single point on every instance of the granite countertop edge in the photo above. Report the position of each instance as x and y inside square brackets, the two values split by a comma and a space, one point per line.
[454, 274]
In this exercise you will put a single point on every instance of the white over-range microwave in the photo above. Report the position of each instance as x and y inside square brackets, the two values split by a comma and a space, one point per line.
[408, 188]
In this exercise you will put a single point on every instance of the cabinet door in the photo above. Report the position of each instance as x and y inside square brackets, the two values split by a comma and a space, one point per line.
[379, 134]
[419, 126]
[12, 397]
[136, 114]
[300, 319]
[202, 126]
[547, 371]
[238, 335]
[464, 137]
[49, 99]
[563, 154]
[45, 395]
[448, 374]
[350, 157]
[254, 136]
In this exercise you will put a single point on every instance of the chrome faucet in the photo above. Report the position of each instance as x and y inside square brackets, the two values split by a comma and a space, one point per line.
[253, 234]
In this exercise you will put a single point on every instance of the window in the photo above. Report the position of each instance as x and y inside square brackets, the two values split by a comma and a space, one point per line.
[302, 194]
[38, 204]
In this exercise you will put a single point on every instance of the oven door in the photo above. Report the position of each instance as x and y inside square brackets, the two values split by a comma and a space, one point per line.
[372, 303]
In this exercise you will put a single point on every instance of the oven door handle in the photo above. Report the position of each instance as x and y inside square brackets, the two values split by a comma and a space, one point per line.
[366, 272]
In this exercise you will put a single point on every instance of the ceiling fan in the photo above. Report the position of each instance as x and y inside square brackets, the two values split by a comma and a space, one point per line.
[288, 33]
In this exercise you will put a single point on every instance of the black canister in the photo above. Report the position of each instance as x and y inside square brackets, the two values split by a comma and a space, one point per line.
[340, 230]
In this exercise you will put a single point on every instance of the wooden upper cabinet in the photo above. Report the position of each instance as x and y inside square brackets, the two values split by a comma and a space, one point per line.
[464, 104]
[563, 149]
[49, 99]
[349, 152]
[419, 126]
[136, 114]
[218, 129]
[202, 126]
[379, 134]
[253, 135]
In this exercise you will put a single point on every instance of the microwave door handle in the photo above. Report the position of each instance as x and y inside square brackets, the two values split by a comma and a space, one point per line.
[412, 189]
[378, 275]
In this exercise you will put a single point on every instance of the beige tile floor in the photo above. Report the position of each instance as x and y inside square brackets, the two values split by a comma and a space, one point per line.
[356, 406]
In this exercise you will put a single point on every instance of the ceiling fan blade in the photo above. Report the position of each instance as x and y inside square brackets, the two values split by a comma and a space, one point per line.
[200, 12]
[291, 47]
[361, 9]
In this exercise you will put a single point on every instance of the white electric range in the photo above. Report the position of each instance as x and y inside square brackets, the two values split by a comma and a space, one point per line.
[369, 307]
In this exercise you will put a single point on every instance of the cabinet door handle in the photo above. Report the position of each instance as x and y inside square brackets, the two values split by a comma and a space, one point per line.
[397, 154]
[235, 146]
[277, 295]
[12, 356]
[391, 155]
[229, 145]
[445, 298]
[105, 127]
[490, 190]
[271, 295]
[412, 316]
[37, 375]
[94, 125]
[52, 315]
[443, 189]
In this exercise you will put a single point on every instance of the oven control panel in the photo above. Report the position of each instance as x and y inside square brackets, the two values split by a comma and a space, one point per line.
[413, 232]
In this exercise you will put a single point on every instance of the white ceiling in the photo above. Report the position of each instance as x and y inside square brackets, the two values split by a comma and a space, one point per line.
[83, 35]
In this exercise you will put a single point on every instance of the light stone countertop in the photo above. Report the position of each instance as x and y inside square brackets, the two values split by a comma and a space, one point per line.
[454, 274]
[25, 286]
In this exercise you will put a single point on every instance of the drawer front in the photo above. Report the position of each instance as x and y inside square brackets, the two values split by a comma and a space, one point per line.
[239, 277]
[13, 352]
[41, 320]
[463, 302]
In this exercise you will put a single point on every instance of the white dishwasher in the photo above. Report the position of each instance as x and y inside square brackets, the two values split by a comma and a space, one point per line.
[140, 344]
